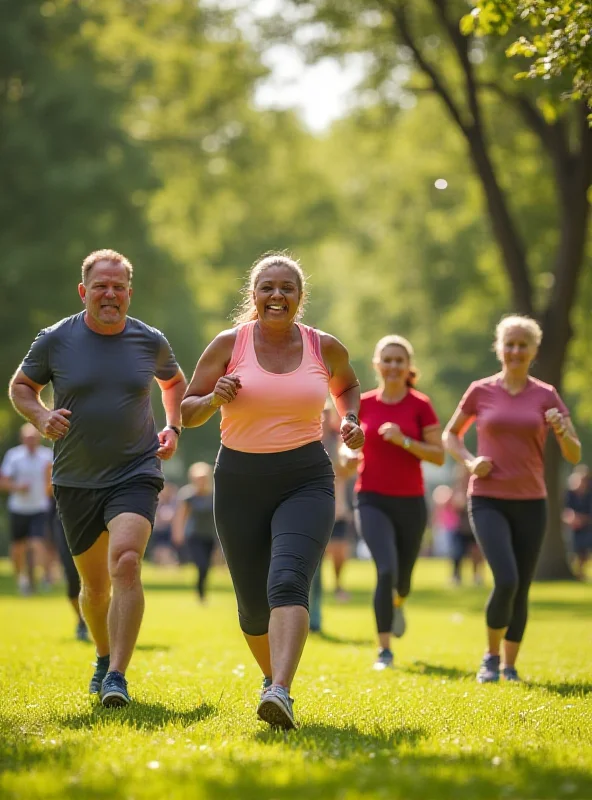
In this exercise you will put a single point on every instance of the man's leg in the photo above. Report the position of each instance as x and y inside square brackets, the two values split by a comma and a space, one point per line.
[128, 537]
[95, 592]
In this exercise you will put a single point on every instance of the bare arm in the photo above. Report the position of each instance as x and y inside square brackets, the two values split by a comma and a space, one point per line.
[25, 396]
[344, 388]
[569, 443]
[210, 387]
[172, 394]
[453, 440]
[430, 448]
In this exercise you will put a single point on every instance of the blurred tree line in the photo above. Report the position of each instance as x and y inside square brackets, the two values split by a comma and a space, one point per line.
[131, 124]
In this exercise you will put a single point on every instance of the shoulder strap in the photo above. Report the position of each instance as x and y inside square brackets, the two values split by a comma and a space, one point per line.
[240, 345]
[313, 338]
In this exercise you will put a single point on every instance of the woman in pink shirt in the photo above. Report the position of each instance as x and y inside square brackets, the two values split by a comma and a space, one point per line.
[274, 498]
[507, 493]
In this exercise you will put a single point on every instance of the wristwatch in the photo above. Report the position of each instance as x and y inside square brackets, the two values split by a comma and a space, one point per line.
[406, 443]
[351, 417]
[173, 428]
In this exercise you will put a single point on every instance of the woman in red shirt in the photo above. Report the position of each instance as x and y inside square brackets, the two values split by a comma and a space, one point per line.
[401, 429]
[507, 493]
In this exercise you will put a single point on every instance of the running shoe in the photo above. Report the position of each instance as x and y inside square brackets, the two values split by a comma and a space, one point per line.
[114, 690]
[265, 684]
[101, 666]
[399, 624]
[384, 661]
[275, 708]
[510, 674]
[489, 671]
[82, 632]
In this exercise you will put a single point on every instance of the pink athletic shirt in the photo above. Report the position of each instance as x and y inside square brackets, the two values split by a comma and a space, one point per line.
[511, 430]
[272, 413]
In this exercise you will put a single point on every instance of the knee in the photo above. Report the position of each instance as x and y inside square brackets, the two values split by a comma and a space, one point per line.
[125, 567]
[506, 589]
[288, 587]
[94, 593]
[385, 579]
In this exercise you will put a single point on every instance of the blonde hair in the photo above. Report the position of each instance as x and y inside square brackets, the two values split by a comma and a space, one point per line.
[530, 326]
[105, 255]
[246, 311]
[201, 469]
[399, 341]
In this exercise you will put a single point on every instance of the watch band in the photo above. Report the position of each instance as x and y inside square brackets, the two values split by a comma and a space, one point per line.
[406, 443]
[173, 428]
[351, 417]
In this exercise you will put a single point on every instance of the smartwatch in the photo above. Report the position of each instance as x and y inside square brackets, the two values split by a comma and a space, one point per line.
[406, 443]
[351, 417]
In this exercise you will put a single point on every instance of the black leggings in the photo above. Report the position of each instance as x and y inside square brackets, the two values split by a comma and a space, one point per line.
[392, 528]
[274, 515]
[510, 534]
[200, 552]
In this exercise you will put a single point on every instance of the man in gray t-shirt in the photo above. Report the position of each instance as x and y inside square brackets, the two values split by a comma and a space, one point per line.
[106, 471]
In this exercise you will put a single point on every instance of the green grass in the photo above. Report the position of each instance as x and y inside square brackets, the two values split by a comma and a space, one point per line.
[424, 730]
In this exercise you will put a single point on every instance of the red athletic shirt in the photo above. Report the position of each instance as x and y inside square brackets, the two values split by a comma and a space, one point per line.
[384, 467]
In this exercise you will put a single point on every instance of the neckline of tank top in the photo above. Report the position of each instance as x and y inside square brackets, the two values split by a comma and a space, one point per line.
[278, 374]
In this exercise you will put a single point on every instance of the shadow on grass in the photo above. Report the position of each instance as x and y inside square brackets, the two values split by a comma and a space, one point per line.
[342, 742]
[187, 588]
[439, 670]
[140, 716]
[153, 648]
[333, 639]
[563, 689]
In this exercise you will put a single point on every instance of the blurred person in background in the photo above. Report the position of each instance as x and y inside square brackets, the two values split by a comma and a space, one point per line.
[577, 515]
[161, 546]
[274, 500]
[338, 547]
[23, 475]
[463, 543]
[193, 523]
[401, 430]
[507, 494]
[444, 520]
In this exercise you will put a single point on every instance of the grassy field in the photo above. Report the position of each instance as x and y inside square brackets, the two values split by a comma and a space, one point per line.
[423, 730]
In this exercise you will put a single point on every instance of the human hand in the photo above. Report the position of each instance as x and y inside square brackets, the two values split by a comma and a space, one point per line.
[352, 434]
[21, 487]
[225, 390]
[168, 441]
[391, 432]
[481, 467]
[556, 420]
[55, 424]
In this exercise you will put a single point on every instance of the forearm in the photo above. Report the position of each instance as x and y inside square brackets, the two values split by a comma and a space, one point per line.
[433, 453]
[27, 403]
[348, 402]
[195, 410]
[171, 401]
[571, 449]
[454, 445]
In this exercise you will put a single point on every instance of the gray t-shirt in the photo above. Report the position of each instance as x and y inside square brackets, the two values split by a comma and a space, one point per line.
[105, 381]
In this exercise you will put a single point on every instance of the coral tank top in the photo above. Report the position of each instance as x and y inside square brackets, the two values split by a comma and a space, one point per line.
[273, 413]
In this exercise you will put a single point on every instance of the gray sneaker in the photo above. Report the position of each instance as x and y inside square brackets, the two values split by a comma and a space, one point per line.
[399, 624]
[384, 661]
[114, 692]
[275, 708]
[510, 674]
[489, 671]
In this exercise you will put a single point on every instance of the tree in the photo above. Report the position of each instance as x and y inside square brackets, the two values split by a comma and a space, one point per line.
[466, 76]
[557, 37]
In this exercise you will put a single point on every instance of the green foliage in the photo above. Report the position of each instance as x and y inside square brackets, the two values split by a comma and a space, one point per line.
[423, 730]
[555, 36]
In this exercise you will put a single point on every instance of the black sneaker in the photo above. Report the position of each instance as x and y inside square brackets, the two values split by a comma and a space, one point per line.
[82, 632]
[265, 684]
[101, 666]
[114, 690]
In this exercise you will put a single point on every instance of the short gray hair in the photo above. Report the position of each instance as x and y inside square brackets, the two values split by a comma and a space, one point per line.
[105, 255]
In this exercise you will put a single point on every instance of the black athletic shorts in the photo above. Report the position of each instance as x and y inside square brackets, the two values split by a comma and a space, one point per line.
[85, 513]
[339, 532]
[27, 526]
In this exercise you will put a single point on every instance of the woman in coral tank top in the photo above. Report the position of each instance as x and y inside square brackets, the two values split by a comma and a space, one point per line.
[274, 498]
[507, 493]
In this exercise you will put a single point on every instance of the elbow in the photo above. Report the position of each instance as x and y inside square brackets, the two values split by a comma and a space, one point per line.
[186, 414]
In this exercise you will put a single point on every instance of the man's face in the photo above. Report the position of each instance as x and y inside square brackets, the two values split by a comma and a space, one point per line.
[107, 293]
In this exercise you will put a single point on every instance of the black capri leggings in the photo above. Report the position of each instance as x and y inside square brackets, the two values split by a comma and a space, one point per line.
[510, 534]
[392, 528]
[200, 552]
[274, 515]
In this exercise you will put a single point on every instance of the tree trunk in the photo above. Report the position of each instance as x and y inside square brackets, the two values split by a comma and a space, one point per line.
[553, 564]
